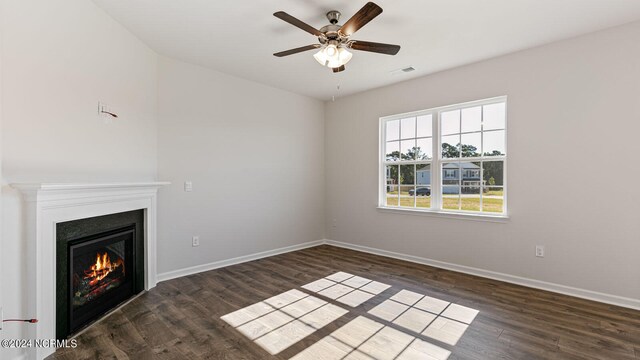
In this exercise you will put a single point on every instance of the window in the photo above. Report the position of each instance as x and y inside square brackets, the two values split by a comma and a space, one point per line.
[450, 159]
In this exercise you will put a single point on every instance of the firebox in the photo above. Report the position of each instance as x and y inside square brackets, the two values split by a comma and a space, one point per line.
[101, 269]
[100, 265]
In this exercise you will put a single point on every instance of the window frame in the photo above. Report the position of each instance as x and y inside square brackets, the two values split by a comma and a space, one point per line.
[437, 161]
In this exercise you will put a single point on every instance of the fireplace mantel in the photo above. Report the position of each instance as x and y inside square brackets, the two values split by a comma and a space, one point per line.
[56, 190]
[45, 205]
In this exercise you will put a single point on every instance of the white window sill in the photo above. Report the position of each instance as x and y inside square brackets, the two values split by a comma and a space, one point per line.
[446, 214]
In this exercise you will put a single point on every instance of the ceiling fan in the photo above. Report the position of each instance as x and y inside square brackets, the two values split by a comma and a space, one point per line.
[335, 39]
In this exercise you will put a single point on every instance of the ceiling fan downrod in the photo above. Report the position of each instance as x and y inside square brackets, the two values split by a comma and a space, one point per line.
[333, 16]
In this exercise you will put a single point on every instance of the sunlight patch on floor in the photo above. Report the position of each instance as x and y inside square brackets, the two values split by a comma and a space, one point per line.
[347, 288]
[435, 318]
[282, 320]
[363, 338]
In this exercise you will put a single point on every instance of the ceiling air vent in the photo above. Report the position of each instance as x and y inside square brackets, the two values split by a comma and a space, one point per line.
[403, 70]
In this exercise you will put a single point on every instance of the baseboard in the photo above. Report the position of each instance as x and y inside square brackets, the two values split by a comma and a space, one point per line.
[537, 284]
[238, 260]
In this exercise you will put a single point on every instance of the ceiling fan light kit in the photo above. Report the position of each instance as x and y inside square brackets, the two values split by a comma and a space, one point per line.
[333, 56]
[334, 39]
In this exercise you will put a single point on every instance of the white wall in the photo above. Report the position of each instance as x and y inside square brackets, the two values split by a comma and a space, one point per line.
[255, 155]
[59, 59]
[574, 122]
[1, 112]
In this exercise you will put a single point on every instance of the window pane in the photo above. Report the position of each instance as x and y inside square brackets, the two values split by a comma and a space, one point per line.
[471, 119]
[408, 149]
[450, 146]
[424, 149]
[392, 151]
[407, 196]
[451, 186]
[493, 116]
[450, 200]
[471, 144]
[392, 197]
[407, 174]
[493, 143]
[470, 198]
[393, 130]
[471, 185]
[470, 174]
[493, 192]
[423, 193]
[493, 199]
[423, 174]
[450, 122]
[408, 128]
[493, 173]
[423, 196]
[425, 124]
[392, 185]
[392, 175]
[450, 173]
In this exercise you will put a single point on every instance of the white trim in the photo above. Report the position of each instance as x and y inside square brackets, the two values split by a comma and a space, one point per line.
[82, 186]
[49, 204]
[237, 260]
[532, 283]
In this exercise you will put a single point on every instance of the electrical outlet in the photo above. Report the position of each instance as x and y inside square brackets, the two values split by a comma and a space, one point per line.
[195, 241]
[188, 186]
[334, 223]
[539, 251]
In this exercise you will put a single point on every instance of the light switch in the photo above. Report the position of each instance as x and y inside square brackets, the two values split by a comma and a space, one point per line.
[188, 186]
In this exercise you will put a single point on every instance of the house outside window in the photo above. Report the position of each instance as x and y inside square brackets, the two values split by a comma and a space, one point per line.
[466, 146]
[450, 174]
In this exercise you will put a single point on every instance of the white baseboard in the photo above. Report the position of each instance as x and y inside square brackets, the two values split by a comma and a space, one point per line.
[537, 284]
[238, 260]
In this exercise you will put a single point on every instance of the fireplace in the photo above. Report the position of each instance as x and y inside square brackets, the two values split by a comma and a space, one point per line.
[54, 214]
[101, 269]
[100, 265]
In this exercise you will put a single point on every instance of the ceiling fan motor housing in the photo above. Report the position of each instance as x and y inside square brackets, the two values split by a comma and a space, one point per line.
[329, 32]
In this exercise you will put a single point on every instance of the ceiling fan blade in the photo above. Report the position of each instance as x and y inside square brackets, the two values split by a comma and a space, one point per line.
[360, 19]
[338, 69]
[298, 23]
[296, 50]
[375, 47]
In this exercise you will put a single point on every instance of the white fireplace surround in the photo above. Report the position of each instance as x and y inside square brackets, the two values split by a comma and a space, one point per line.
[47, 204]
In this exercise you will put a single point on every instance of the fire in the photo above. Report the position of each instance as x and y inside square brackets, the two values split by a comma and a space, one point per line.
[102, 268]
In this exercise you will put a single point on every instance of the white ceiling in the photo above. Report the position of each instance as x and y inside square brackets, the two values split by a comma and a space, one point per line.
[239, 37]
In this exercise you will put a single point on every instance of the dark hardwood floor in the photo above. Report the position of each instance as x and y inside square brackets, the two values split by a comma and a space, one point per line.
[180, 318]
